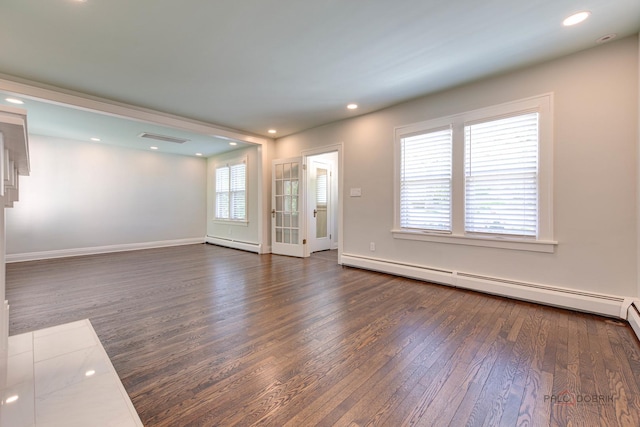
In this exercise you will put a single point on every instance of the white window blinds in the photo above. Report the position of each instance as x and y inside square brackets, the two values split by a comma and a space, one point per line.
[231, 194]
[425, 180]
[501, 176]
[321, 187]
[222, 192]
[238, 191]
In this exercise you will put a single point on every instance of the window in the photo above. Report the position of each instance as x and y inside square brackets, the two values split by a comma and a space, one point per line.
[425, 181]
[321, 187]
[479, 178]
[501, 176]
[231, 191]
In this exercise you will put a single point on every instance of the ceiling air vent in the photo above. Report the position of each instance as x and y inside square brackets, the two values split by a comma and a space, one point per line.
[162, 138]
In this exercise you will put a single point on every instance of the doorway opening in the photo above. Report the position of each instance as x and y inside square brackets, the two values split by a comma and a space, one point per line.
[306, 205]
[322, 201]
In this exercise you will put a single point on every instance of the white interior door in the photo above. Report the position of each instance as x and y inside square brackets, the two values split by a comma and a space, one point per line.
[319, 209]
[287, 207]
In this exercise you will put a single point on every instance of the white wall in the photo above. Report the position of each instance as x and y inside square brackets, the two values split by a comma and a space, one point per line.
[596, 137]
[83, 195]
[243, 232]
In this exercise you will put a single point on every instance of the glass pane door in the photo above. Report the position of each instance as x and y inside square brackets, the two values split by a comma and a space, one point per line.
[287, 207]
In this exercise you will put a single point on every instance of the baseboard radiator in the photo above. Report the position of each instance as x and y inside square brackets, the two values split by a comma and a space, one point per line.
[235, 244]
[602, 304]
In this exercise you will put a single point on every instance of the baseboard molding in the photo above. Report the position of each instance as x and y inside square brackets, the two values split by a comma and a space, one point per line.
[633, 316]
[235, 244]
[602, 304]
[64, 253]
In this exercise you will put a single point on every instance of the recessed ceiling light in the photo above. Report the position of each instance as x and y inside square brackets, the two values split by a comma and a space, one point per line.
[272, 131]
[233, 143]
[153, 148]
[198, 154]
[352, 106]
[14, 101]
[12, 398]
[95, 139]
[90, 373]
[576, 18]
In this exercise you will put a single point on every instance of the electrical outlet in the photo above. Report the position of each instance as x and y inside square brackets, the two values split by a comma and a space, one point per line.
[372, 246]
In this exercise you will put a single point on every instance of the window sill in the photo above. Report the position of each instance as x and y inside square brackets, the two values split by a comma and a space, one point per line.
[242, 223]
[547, 246]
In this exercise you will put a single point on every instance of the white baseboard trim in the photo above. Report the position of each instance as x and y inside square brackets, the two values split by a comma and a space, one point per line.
[633, 316]
[602, 304]
[235, 244]
[64, 253]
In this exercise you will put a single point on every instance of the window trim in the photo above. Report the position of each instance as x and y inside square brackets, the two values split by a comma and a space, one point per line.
[544, 242]
[229, 164]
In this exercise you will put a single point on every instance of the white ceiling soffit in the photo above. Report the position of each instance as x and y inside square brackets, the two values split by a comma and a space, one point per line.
[100, 127]
[291, 65]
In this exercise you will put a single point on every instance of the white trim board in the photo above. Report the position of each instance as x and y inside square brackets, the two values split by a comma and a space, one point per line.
[235, 244]
[633, 316]
[64, 253]
[602, 304]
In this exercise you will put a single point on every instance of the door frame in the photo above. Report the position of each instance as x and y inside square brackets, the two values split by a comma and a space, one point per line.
[339, 148]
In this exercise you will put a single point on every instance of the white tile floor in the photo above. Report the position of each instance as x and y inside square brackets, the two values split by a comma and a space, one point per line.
[63, 377]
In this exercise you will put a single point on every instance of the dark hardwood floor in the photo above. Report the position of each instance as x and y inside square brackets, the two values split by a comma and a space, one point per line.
[206, 336]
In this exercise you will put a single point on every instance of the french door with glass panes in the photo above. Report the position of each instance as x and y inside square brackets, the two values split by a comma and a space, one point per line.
[287, 207]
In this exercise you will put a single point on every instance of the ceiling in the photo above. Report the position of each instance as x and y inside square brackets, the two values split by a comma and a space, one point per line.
[289, 65]
[52, 119]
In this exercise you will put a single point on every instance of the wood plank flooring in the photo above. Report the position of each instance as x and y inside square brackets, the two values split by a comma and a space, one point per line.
[207, 336]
